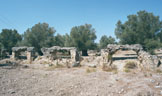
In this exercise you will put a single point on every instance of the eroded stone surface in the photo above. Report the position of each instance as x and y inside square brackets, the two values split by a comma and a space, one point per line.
[16, 51]
[65, 56]
[147, 61]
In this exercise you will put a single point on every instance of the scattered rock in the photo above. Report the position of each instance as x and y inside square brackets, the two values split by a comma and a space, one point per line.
[116, 79]
[76, 64]
[121, 91]
[25, 66]
[152, 81]
[157, 84]
[51, 89]
[160, 92]
[13, 92]
[158, 87]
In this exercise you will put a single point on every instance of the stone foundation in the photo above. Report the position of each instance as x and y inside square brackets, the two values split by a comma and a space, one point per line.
[16, 52]
[68, 55]
[147, 61]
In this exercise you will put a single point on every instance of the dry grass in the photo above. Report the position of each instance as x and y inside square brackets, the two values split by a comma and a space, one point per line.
[52, 67]
[109, 68]
[158, 71]
[126, 70]
[89, 70]
[130, 65]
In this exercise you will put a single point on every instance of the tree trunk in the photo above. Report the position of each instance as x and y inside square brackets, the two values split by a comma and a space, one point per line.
[84, 53]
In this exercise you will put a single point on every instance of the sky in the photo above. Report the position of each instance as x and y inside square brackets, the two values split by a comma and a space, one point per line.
[65, 14]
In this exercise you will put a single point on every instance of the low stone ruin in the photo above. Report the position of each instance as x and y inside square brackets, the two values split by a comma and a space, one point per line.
[147, 61]
[64, 56]
[158, 52]
[93, 53]
[29, 51]
[69, 56]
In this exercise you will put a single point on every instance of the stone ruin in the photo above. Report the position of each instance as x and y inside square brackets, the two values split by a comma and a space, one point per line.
[65, 56]
[69, 56]
[29, 52]
[147, 61]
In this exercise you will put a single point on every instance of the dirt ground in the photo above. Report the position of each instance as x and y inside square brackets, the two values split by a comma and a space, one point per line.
[35, 80]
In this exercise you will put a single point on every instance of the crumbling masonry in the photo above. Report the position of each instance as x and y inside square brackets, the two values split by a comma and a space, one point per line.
[146, 60]
[16, 52]
[60, 54]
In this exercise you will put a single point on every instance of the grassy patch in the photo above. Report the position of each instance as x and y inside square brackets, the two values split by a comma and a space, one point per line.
[89, 70]
[52, 67]
[130, 65]
[109, 68]
[158, 71]
[126, 70]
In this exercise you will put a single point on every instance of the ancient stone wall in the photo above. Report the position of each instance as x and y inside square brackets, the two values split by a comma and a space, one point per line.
[62, 54]
[147, 61]
[16, 52]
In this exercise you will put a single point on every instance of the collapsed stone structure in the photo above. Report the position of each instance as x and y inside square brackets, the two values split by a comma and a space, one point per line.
[60, 55]
[147, 61]
[16, 53]
[69, 56]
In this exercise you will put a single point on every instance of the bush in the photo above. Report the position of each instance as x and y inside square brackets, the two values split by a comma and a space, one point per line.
[89, 70]
[126, 70]
[158, 71]
[109, 68]
[53, 67]
[130, 65]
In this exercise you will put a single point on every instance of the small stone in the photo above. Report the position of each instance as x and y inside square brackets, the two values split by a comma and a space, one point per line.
[76, 64]
[13, 92]
[121, 91]
[160, 92]
[50, 90]
[46, 65]
[157, 84]
[110, 85]
[116, 80]
[25, 66]
[153, 81]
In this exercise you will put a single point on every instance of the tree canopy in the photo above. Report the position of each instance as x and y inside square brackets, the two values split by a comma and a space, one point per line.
[59, 40]
[40, 35]
[104, 41]
[9, 38]
[140, 28]
[83, 37]
[68, 41]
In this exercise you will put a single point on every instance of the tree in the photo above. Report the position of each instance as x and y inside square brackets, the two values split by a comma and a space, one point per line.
[1, 47]
[40, 35]
[9, 39]
[104, 41]
[59, 40]
[151, 44]
[83, 38]
[68, 41]
[139, 29]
